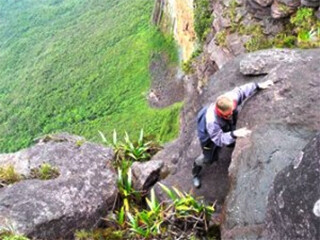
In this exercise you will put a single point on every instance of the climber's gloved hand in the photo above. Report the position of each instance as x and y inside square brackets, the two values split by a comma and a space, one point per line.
[242, 132]
[266, 84]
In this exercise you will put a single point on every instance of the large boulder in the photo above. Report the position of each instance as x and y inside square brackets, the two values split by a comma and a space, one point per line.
[54, 209]
[292, 211]
[283, 120]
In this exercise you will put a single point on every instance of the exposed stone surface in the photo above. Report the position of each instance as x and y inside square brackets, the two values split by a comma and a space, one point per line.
[272, 26]
[146, 174]
[178, 14]
[217, 54]
[295, 192]
[264, 3]
[236, 43]
[280, 10]
[167, 83]
[318, 13]
[260, 63]
[257, 10]
[310, 3]
[283, 119]
[53, 209]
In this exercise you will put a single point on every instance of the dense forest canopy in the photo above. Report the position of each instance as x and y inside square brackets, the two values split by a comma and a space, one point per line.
[80, 67]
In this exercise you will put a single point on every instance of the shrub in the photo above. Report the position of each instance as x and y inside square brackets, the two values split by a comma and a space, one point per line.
[187, 66]
[303, 18]
[284, 40]
[221, 38]
[306, 27]
[202, 18]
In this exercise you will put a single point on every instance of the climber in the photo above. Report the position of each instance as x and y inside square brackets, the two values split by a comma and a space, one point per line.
[216, 125]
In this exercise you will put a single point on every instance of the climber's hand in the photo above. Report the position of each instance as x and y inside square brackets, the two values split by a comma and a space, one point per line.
[266, 84]
[242, 132]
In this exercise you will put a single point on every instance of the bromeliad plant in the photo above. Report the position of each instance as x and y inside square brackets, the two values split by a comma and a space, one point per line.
[140, 150]
[146, 218]
[127, 192]
[187, 211]
[148, 222]
[165, 220]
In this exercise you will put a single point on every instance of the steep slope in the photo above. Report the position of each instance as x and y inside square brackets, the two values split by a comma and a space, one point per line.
[78, 67]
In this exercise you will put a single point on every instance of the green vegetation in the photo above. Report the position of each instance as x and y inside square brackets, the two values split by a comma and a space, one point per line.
[221, 38]
[139, 150]
[8, 233]
[302, 30]
[12, 237]
[306, 28]
[79, 67]
[258, 39]
[284, 8]
[8, 175]
[232, 14]
[183, 216]
[141, 217]
[202, 18]
[45, 172]
[187, 65]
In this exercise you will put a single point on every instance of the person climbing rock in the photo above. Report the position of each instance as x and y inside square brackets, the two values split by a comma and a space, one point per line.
[216, 125]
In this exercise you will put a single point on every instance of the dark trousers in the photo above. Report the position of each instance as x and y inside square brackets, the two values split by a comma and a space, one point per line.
[210, 154]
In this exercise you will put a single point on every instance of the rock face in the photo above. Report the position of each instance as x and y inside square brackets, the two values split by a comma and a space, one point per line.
[283, 120]
[146, 174]
[177, 16]
[53, 209]
[291, 210]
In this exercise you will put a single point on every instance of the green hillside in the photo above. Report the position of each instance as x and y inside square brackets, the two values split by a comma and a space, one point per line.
[81, 67]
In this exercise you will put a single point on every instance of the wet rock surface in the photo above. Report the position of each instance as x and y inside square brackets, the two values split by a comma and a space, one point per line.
[295, 192]
[82, 194]
[167, 82]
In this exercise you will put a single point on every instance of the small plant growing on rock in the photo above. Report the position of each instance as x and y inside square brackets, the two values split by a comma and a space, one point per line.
[8, 233]
[45, 172]
[187, 66]
[140, 150]
[303, 18]
[284, 8]
[8, 175]
[221, 38]
[13, 237]
[126, 190]
[306, 27]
